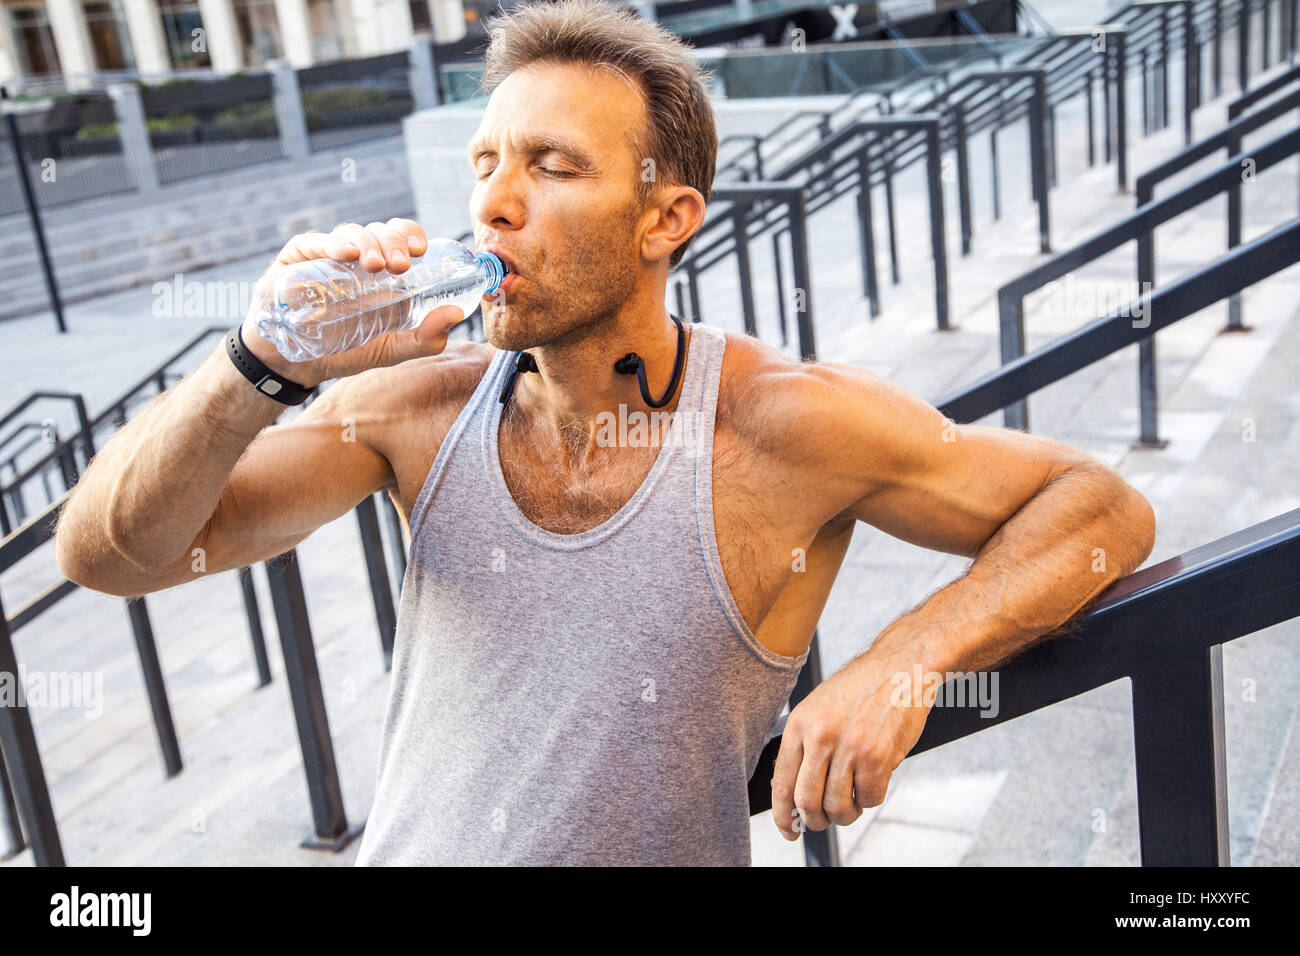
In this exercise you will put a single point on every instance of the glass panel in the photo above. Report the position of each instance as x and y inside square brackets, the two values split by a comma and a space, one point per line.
[259, 31]
[108, 36]
[35, 41]
[180, 18]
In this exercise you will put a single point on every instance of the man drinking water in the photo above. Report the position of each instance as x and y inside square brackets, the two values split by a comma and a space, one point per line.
[596, 638]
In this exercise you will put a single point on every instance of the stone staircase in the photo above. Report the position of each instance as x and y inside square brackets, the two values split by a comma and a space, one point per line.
[127, 240]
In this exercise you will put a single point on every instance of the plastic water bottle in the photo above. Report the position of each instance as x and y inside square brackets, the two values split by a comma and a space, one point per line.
[322, 306]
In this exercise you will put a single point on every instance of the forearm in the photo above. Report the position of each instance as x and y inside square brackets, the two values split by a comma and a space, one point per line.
[1083, 531]
[151, 489]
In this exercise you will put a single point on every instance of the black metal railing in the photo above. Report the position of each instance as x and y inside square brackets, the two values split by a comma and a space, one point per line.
[1137, 227]
[1162, 627]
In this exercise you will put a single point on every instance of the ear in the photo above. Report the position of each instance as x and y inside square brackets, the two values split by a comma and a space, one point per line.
[676, 214]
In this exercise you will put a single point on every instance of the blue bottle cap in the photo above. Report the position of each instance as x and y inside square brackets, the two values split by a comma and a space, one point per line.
[496, 270]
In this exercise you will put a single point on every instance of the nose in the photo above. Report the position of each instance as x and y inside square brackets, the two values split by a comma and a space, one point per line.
[497, 200]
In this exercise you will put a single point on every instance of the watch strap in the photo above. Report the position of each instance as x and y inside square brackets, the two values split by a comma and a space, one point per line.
[264, 380]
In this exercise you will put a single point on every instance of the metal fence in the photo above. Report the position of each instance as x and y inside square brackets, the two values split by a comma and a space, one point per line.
[356, 100]
[201, 128]
[72, 151]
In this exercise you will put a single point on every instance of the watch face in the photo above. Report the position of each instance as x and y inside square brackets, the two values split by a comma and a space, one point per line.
[269, 385]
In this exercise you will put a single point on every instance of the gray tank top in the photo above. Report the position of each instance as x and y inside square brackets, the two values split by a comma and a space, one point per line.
[591, 698]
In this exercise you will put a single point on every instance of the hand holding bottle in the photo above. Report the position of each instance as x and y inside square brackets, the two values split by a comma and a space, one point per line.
[357, 253]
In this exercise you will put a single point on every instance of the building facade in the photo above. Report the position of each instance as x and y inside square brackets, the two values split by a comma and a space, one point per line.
[57, 45]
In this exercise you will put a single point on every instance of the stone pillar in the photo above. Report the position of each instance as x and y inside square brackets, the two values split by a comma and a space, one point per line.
[345, 21]
[221, 35]
[133, 132]
[295, 32]
[448, 17]
[383, 26]
[289, 115]
[72, 40]
[11, 70]
[424, 82]
[144, 26]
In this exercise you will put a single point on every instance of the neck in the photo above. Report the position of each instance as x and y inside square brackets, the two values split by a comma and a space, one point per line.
[577, 380]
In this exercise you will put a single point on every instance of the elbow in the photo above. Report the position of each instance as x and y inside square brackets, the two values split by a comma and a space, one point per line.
[97, 568]
[1138, 526]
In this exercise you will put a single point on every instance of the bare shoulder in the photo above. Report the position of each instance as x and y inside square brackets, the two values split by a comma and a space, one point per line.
[767, 399]
[804, 425]
[419, 386]
[404, 411]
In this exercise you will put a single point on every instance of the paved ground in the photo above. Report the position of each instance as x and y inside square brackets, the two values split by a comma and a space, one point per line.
[1055, 787]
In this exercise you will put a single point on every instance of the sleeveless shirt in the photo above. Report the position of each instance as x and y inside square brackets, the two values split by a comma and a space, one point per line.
[590, 699]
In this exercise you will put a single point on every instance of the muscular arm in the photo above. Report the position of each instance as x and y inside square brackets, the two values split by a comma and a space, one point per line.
[199, 468]
[1049, 528]
[198, 484]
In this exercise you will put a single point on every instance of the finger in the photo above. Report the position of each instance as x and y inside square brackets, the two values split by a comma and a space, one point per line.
[396, 257]
[371, 254]
[432, 332]
[785, 772]
[837, 801]
[314, 244]
[869, 787]
[416, 240]
[429, 338]
[810, 788]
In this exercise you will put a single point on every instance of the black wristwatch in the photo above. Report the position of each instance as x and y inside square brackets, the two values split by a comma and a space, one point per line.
[263, 379]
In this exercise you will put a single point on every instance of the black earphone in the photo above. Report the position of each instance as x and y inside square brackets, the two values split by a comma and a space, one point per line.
[629, 364]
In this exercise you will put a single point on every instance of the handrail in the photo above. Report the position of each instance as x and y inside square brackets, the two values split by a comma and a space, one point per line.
[1141, 222]
[1145, 184]
[1264, 90]
[1163, 627]
[1022, 376]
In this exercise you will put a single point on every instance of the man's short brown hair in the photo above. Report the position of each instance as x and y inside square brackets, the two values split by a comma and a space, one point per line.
[682, 140]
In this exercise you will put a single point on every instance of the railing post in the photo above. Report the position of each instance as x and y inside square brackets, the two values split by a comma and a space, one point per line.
[993, 158]
[889, 209]
[1266, 30]
[1091, 119]
[801, 273]
[1217, 40]
[1011, 341]
[1164, 67]
[938, 239]
[963, 176]
[1148, 396]
[1038, 158]
[18, 746]
[254, 613]
[739, 213]
[867, 233]
[9, 823]
[1121, 111]
[397, 543]
[1191, 70]
[155, 687]
[1235, 321]
[779, 269]
[1179, 748]
[326, 796]
[1243, 47]
[1146, 93]
[1107, 113]
[381, 588]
